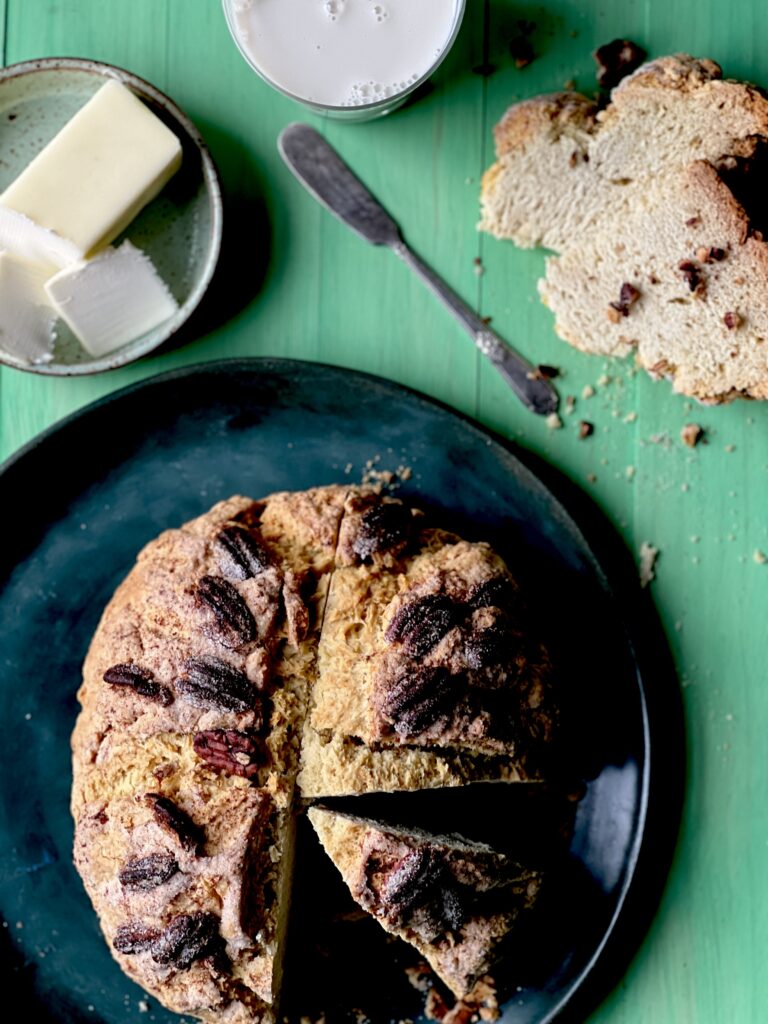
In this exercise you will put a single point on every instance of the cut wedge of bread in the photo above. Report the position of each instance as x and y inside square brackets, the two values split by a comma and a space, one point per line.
[454, 900]
[428, 674]
[650, 208]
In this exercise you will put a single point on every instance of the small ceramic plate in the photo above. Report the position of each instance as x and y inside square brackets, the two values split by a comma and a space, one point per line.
[180, 230]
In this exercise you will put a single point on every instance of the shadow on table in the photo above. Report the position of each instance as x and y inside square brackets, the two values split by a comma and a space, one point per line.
[667, 740]
[246, 240]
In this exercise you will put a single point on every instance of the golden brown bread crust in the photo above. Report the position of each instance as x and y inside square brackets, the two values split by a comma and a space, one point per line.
[617, 195]
[195, 691]
[205, 682]
[554, 115]
[411, 691]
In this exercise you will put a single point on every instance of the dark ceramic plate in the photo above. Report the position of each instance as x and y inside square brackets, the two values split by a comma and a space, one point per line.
[85, 496]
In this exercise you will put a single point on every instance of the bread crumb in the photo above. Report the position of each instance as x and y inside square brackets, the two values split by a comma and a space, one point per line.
[143, 1006]
[648, 556]
[420, 976]
[603, 380]
[591, 478]
[520, 46]
[480, 1004]
[691, 434]
[587, 391]
[615, 60]
[695, 539]
[629, 472]
[630, 417]
[554, 422]
[759, 557]
[730, 448]
[570, 404]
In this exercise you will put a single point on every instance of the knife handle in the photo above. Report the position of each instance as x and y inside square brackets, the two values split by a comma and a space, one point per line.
[534, 391]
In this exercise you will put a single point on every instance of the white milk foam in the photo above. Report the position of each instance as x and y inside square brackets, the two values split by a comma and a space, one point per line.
[344, 52]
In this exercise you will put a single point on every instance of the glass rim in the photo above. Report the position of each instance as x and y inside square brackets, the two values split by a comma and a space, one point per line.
[353, 107]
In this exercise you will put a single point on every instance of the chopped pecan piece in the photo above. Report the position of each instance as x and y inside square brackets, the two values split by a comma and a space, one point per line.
[710, 254]
[382, 526]
[692, 275]
[417, 700]
[547, 372]
[421, 624]
[615, 60]
[187, 938]
[586, 429]
[240, 555]
[141, 681]
[691, 434]
[134, 937]
[175, 821]
[520, 46]
[210, 683]
[143, 873]
[229, 751]
[234, 624]
[628, 296]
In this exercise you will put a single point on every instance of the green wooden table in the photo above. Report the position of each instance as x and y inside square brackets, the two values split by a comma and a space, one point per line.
[305, 287]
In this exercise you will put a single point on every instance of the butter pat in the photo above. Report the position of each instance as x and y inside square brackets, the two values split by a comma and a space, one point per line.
[112, 299]
[92, 178]
[25, 239]
[26, 318]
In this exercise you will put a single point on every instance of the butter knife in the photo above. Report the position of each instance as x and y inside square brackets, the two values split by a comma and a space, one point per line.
[325, 175]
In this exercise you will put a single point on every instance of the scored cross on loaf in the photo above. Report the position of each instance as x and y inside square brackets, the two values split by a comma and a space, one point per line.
[651, 206]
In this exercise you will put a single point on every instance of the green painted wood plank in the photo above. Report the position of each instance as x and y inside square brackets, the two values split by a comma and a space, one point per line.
[3, 16]
[416, 161]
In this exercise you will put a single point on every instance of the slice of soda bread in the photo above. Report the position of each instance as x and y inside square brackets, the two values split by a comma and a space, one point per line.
[652, 209]
[454, 900]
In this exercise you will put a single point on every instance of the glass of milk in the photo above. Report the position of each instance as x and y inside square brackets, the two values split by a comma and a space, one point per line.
[350, 59]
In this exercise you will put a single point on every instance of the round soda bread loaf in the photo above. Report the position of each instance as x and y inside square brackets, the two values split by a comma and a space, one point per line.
[655, 211]
[310, 644]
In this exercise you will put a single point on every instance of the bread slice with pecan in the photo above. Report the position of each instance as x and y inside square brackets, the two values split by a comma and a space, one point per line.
[186, 749]
[653, 208]
[188, 869]
[454, 900]
[429, 673]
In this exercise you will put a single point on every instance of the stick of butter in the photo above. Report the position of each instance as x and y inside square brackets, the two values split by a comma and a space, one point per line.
[26, 318]
[92, 178]
[111, 299]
